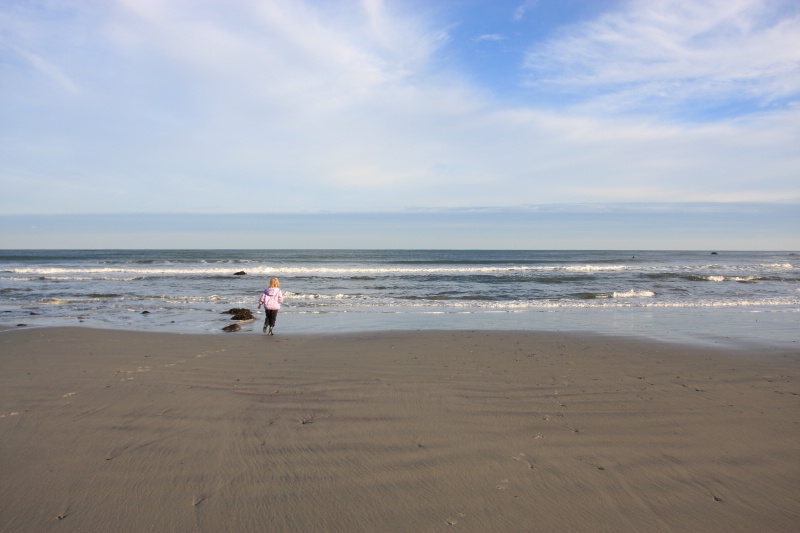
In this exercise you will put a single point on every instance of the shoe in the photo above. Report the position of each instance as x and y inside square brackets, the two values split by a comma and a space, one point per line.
[264, 329]
[270, 331]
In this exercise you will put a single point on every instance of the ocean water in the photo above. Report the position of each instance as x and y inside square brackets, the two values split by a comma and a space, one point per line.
[723, 297]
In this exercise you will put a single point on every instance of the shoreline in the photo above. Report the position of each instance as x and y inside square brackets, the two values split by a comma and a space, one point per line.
[773, 337]
[435, 431]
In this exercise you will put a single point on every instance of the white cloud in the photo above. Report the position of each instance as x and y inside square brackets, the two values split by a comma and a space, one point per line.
[348, 106]
[675, 52]
[280, 48]
[523, 8]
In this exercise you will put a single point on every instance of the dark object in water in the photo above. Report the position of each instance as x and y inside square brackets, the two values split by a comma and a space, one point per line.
[240, 273]
[232, 328]
[239, 313]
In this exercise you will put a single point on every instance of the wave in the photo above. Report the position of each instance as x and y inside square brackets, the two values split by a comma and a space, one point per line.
[117, 287]
[61, 279]
[614, 294]
[520, 305]
[630, 298]
[54, 301]
[447, 297]
[634, 294]
[10, 290]
[690, 272]
[352, 272]
[740, 279]
[353, 304]
[289, 296]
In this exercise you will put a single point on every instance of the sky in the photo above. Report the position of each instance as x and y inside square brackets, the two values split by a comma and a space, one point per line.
[409, 123]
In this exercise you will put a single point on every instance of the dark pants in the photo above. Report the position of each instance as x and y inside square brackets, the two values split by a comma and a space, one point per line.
[272, 314]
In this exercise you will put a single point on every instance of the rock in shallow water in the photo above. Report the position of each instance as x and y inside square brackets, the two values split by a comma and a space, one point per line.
[239, 313]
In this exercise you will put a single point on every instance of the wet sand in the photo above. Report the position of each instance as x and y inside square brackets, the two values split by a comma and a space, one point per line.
[431, 431]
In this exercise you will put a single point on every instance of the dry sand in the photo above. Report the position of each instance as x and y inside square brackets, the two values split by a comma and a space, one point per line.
[433, 431]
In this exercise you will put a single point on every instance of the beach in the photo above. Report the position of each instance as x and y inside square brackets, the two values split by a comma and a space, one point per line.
[106, 430]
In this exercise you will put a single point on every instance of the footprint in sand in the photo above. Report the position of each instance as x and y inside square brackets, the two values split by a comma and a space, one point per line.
[199, 501]
[129, 373]
[503, 485]
[453, 521]
[523, 459]
[67, 395]
[10, 414]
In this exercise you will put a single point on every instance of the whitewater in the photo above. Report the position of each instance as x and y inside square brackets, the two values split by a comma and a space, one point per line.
[696, 295]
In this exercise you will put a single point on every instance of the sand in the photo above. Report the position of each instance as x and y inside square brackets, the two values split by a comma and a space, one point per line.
[406, 431]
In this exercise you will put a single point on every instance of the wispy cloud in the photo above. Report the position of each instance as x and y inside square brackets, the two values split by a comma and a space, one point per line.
[489, 37]
[51, 71]
[674, 53]
[523, 8]
[282, 48]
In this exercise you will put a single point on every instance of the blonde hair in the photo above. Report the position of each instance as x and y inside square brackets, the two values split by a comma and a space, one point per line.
[273, 283]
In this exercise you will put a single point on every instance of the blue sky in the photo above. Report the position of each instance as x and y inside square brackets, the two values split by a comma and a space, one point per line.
[508, 123]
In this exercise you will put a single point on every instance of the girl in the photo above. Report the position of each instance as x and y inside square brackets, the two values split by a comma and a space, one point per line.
[271, 299]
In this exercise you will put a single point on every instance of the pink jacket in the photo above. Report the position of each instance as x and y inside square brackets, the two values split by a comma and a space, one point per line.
[271, 298]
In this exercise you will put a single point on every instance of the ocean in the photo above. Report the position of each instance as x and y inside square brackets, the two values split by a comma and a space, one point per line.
[685, 296]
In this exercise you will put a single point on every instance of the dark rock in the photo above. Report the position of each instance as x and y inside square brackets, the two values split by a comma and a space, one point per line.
[240, 273]
[232, 328]
[240, 313]
[22, 325]
[145, 312]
